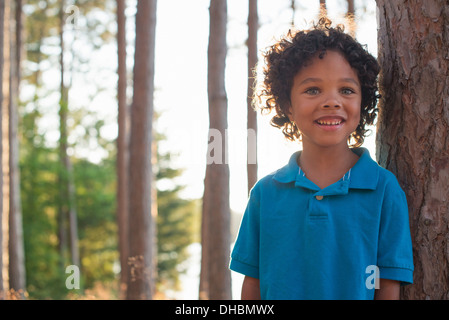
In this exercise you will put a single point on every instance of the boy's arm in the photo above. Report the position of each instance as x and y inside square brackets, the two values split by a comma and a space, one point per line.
[250, 289]
[388, 290]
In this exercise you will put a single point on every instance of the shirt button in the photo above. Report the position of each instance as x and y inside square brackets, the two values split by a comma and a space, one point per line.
[319, 198]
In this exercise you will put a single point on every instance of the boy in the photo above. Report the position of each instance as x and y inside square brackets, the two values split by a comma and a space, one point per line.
[331, 224]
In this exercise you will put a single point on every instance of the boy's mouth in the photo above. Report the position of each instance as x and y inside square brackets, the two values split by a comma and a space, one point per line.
[330, 122]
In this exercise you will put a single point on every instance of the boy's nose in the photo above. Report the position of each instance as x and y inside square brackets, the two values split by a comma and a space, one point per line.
[330, 106]
[331, 101]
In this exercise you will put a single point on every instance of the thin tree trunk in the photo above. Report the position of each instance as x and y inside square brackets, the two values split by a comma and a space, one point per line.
[16, 246]
[293, 7]
[2, 18]
[323, 8]
[217, 174]
[253, 26]
[5, 145]
[351, 8]
[68, 210]
[140, 179]
[350, 16]
[62, 206]
[413, 129]
[122, 147]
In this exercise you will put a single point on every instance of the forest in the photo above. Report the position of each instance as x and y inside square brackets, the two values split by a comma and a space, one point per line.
[129, 142]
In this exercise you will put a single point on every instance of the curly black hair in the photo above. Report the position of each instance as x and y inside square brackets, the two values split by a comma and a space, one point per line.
[286, 58]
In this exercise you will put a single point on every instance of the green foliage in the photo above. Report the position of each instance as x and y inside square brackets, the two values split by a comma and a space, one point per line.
[97, 228]
[178, 222]
[95, 201]
[44, 271]
[176, 232]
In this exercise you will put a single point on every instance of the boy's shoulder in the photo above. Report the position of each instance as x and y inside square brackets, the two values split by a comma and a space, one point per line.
[285, 174]
[370, 170]
[389, 181]
[277, 180]
[265, 182]
[386, 174]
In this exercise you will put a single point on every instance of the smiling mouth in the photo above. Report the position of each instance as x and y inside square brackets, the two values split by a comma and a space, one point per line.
[329, 122]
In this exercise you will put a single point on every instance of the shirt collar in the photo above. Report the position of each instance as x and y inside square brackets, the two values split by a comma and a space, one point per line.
[364, 174]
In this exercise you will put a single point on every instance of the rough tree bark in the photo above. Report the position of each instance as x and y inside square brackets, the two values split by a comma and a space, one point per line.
[413, 129]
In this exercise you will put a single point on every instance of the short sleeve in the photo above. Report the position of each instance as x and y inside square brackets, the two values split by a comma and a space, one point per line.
[245, 254]
[395, 253]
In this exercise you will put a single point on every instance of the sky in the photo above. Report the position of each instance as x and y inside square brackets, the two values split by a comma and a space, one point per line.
[181, 84]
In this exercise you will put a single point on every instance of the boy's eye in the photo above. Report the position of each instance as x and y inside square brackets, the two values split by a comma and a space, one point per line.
[347, 91]
[312, 91]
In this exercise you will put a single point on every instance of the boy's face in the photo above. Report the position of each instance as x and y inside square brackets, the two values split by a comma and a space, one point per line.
[326, 101]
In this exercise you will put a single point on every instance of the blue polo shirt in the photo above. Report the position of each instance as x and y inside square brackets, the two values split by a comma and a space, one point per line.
[303, 242]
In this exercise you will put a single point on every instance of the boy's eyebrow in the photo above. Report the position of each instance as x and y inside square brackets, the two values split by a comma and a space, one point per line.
[354, 81]
[308, 80]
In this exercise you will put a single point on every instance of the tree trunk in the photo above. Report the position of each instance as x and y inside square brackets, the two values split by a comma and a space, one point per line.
[5, 145]
[413, 129]
[350, 16]
[16, 246]
[68, 210]
[216, 188]
[122, 147]
[253, 26]
[323, 8]
[293, 7]
[2, 18]
[140, 179]
[62, 206]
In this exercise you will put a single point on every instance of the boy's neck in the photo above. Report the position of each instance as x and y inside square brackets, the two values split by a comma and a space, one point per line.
[325, 166]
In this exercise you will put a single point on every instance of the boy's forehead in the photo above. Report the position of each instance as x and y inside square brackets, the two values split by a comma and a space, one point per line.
[332, 65]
